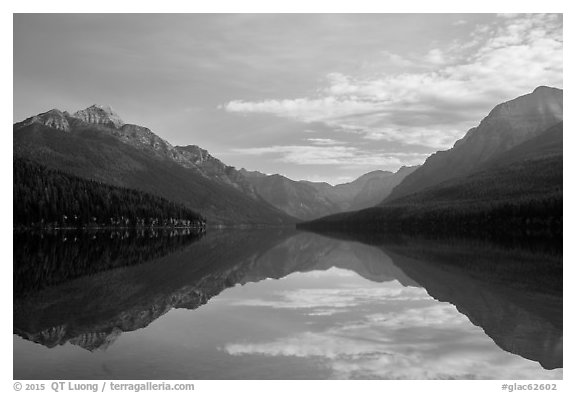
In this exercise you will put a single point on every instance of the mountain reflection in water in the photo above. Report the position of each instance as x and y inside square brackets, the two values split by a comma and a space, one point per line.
[337, 308]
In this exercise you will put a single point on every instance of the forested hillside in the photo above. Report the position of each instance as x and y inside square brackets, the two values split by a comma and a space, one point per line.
[50, 198]
[518, 191]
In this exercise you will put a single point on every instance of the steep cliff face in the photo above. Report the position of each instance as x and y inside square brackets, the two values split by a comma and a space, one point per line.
[507, 125]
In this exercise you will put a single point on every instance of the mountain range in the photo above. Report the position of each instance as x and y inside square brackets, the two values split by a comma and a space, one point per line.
[504, 174]
[96, 144]
[513, 156]
[506, 126]
[308, 200]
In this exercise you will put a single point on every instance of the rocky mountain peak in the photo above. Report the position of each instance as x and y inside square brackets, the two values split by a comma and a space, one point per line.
[100, 114]
[54, 118]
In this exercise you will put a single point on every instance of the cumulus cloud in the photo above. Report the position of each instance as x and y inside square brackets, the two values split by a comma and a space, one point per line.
[442, 93]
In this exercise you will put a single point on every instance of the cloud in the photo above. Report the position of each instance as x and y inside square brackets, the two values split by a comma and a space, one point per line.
[507, 15]
[435, 56]
[417, 341]
[433, 137]
[305, 109]
[326, 154]
[334, 180]
[324, 141]
[377, 331]
[397, 60]
[322, 302]
[443, 92]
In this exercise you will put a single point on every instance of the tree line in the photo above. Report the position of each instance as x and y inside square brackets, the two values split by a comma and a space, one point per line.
[50, 198]
[527, 215]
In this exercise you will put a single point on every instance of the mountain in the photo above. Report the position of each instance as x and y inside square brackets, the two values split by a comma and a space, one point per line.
[299, 199]
[506, 126]
[516, 193]
[374, 186]
[517, 190]
[96, 144]
[309, 200]
[533, 169]
[99, 114]
[213, 168]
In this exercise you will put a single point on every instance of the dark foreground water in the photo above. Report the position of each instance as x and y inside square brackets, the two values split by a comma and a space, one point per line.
[282, 305]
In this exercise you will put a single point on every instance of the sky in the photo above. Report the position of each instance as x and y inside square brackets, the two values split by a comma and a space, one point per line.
[321, 97]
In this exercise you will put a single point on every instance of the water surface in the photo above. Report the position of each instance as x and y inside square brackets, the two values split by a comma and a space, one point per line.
[281, 305]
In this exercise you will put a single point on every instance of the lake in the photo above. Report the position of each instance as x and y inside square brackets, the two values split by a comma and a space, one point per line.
[283, 304]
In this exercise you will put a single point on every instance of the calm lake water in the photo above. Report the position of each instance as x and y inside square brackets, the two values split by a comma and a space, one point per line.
[281, 305]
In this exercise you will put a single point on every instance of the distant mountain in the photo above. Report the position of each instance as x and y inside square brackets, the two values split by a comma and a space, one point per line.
[95, 143]
[299, 199]
[516, 189]
[507, 125]
[375, 186]
[308, 200]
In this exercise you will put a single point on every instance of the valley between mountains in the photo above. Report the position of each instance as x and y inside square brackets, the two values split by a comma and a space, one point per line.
[507, 169]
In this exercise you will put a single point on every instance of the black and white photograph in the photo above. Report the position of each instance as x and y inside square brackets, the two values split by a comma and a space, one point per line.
[287, 196]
